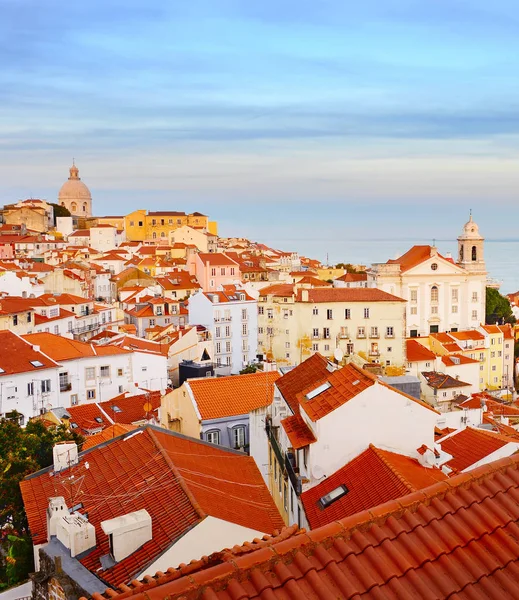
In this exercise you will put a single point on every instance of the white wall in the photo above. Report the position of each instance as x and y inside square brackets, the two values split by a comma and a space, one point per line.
[208, 536]
[376, 416]
[14, 396]
[503, 452]
[149, 371]
[258, 443]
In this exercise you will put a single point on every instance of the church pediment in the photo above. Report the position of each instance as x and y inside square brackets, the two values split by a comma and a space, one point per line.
[434, 266]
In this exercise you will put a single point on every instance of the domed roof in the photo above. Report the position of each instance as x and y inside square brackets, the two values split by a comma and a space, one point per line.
[470, 230]
[74, 188]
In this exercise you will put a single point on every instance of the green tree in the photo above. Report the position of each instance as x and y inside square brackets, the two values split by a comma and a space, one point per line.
[498, 309]
[348, 267]
[59, 211]
[249, 369]
[22, 452]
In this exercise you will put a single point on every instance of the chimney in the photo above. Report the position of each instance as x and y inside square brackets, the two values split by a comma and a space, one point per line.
[127, 533]
[304, 295]
[57, 508]
[65, 455]
[434, 251]
[76, 533]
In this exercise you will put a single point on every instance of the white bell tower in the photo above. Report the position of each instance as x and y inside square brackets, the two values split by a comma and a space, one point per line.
[471, 248]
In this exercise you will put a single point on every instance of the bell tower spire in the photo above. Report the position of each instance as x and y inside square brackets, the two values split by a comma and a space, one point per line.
[471, 248]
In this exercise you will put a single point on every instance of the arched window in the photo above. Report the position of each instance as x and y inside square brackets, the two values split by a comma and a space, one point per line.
[461, 252]
[434, 294]
[474, 253]
[84, 206]
[73, 207]
[213, 437]
[162, 234]
[154, 236]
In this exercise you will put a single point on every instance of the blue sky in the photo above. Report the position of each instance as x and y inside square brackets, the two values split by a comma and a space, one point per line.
[282, 119]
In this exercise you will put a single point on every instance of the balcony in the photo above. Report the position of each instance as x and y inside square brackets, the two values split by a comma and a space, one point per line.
[374, 353]
[374, 336]
[390, 336]
[343, 335]
[271, 434]
[361, 336]
[293, 475]
[65, 387]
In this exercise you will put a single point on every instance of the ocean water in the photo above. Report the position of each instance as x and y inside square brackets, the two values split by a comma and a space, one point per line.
[501, 256]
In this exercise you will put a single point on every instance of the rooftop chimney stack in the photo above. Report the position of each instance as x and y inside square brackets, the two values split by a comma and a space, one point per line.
[65, 455]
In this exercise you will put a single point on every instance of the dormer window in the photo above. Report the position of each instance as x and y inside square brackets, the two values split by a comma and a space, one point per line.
[333, 496]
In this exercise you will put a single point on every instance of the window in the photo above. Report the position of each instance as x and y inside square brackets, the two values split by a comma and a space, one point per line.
[36, 363]
[389, 349]
[74, 399]
[285, 314]
[481, 356]
[414, 310]
[329, 314]
[414, 295]
[326, 333]
[492, 341]
[434, 294]
[90, 373]
[434, 310]
[15, 319]
[104, 371]
[434, 266]
[361, 332]
[260, 310]
[366, 313]
[433, 329]
[413, 333]
[390, 332]
[474, 296]
[63, 382]
[332, 496]
[270, 313]
[494, 368]
[144, 369]
[213, 272]
[29, 317]
[244, 314]
[152, 322]
[232, 270]
[474, 253]
[492, 355]
[227, 331]
[238, 437]
[260, 330]
[474, 315]
[454, 294]
[227, 346]
[218, 348]
[315, 333]
[218, 332]
[228, 361]
[30, 389]
[119, 372]
[315, 311]
[454, 309]
[315, 347]
[374, 332]
[327, 347]
[287, 344]
[91, 394]
[347, 313]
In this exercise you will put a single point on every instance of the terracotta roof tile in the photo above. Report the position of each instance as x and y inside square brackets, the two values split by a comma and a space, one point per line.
[471, 445]
[317, 295]
[298, 432]
[454, 539]
[417, 352]
[217, 258]
[88, 419]
[178, 480]
[415, 256]
[458, 359]
[353, 277]
[60, 348]
[218, 397]
[372, 478]
[108, 433]
[441, 381]
[20, 356]
[132, 409]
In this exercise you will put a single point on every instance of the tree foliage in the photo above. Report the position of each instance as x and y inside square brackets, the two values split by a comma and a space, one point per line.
[252, 368]
[348, 267]
[22, 452]
[498, 309]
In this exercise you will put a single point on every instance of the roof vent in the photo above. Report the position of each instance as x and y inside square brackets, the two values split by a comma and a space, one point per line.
[76, 533]
[128, 533]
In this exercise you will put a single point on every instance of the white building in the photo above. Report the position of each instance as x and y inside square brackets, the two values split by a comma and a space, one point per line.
[106, 237]
[231, 316]
[442, 295]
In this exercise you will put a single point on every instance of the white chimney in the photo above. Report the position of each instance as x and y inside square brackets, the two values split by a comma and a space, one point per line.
[65, 455]
[128, 533]
[76, 533]
[57, 508]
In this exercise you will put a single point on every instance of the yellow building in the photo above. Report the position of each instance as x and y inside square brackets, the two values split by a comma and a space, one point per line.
[157, 226]
[330, 273]
[295, 323]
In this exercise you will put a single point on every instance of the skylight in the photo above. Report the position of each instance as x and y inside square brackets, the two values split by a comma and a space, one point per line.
[332, 496]
[73, 425]
[36, 363]
[98, 419]
[116, 409]
[318, 390]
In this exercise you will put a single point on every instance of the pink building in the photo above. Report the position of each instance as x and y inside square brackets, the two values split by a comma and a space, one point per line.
[214, 270]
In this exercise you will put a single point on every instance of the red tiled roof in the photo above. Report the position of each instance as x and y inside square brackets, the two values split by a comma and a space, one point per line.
[87, 418]
[450, 361]
[132, 409]
[471, 445]
[217, 259]
[372, 478]
[440, 381]
[218, 397]
[471, 334]
[18, 354]
[454, 539]
[415, 256]
[313, 369]
[108, 433]
[417, 352]
[60, 348]
[493, 406]
[353, 277]
[282, 290]
[178, 480]
[298, 432]
[317, 295]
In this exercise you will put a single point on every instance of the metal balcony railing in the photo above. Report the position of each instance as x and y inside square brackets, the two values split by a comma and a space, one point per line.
[271, 434]
[293, 475]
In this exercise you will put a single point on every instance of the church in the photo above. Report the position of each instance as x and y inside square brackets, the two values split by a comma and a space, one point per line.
[442, 294]
[75, 195]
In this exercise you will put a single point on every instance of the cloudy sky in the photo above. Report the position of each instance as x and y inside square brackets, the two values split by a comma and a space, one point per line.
[282, 119]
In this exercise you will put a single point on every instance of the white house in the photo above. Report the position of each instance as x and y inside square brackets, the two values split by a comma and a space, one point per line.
[231, 317]
[105, 237]
[442, 294]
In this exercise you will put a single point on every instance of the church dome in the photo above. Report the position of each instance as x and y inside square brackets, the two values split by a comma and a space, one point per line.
[74, 188]
[470, 230]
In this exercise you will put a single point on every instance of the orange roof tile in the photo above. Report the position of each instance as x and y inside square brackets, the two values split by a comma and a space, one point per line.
[298, 432]
[353, 277]
[467, 335]
[132, 409]
[282, 290]
[458, 359]
[60, 348]
[471, 445]
[218, 397]
[217, 259]
[417, 352]
[317, 295]
[454, 539]
[415, 256]
[21, 356]
[178, 480]
[108, 433]
[372, 478]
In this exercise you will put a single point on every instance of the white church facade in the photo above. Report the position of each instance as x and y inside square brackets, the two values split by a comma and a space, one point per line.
[442, 294]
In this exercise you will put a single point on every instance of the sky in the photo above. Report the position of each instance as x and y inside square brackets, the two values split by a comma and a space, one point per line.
[281, 119]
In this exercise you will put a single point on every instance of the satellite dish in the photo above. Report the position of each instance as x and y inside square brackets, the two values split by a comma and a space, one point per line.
[317, 472]
[338, 354]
